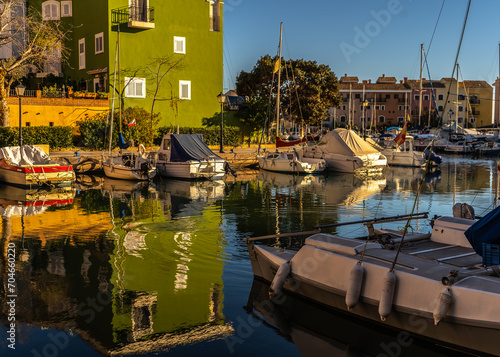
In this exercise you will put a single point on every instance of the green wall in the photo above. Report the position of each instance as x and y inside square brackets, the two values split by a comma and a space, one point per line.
[202, 63]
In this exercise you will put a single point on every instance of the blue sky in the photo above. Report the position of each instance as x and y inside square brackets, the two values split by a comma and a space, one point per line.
[365, 38]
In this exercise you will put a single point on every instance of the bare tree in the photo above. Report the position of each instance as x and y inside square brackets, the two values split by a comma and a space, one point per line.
[28, 43]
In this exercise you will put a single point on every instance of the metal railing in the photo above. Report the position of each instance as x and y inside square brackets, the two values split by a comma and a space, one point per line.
[27, 93]
[132, 13]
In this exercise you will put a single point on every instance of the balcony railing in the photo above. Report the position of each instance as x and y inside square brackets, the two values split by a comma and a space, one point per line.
[135, 16]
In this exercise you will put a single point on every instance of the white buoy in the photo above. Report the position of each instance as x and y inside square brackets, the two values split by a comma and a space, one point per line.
[385, 305]
[442, 306]
[354, 287]
[279, 280]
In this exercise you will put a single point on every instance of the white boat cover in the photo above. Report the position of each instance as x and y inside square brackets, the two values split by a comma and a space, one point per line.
[25, 155]
[346, 142]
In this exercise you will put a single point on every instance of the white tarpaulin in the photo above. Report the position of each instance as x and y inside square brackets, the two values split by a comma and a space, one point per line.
[346, 142]
[25, 155]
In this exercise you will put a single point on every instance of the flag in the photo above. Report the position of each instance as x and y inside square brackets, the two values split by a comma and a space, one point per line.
[498, 167]
[276, 66]
[401, 137]
[132, 123]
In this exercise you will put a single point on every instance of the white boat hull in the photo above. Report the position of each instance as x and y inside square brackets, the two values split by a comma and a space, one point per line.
[116, 169]
[321, 271]
[210, 169]
[22, 176]
[293, 165]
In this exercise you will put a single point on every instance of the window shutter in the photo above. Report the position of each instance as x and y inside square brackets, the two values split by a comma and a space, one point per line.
[46, 12]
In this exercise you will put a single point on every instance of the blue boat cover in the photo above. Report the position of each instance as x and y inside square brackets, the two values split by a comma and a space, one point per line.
[486, 230]
[186, 147]
[121, 142]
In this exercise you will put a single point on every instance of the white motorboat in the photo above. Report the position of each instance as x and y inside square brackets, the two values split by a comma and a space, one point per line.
[290, 162]
[344, 151]
[129, 166]
[490, 148]
[187, 156]
[436, 279]
[29, 165]
[459, 147]
[405, 155]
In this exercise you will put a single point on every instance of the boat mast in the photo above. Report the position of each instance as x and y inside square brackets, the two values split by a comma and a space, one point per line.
[420, 96]
[350, 105]
[456, 109]
[114, 89]
[279, 84]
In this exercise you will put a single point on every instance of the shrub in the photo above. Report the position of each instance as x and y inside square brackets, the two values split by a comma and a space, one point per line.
[57, 137]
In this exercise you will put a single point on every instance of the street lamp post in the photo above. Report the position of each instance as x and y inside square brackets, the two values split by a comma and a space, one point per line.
[450, 113]
[20, 92]
[221, 98]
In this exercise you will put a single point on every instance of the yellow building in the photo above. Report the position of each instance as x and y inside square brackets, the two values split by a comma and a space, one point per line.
[470, 105]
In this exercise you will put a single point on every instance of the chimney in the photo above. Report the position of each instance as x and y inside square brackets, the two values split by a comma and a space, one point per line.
[400, 81]
[369, 81]
[405, 79]
[383, 75]
[345, 75]
[365, 81]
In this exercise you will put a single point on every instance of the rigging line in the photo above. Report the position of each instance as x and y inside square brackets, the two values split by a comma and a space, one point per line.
[297, 94]
[435, 27]
[458, 53]
[230, 60]
[231, 75]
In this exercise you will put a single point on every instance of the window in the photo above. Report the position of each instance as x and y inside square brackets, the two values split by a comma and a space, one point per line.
[388, 96]
[50, 10]
[400, 107]
[185, 90]
[53, 62]
[401, 120]
[81, 53]
[461, 97]
[135, 87]
[426, 97]
[396, 96]
[380, 107]
[66, 9]
[440, 108]
[343, 107]
[179, 45]
[381, 119]
[460, 108]
[99, 43]
[440, 97]
[342, 118]
[417, 97]
[51, 123]
[357, 96]
[28, 123]
[472, 120]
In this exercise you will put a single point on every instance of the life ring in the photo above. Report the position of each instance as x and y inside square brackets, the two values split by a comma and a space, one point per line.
[421, 142]
[142, 150]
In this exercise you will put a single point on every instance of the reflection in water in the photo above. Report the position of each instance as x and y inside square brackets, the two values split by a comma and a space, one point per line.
[139, 267]
[318, 331]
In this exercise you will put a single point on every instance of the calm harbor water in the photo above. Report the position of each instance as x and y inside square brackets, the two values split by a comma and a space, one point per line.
[118, 268]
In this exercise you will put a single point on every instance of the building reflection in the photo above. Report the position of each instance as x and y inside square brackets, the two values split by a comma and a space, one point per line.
[130, 267]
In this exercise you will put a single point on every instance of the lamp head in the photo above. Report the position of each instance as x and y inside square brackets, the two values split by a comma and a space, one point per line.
[20, 90]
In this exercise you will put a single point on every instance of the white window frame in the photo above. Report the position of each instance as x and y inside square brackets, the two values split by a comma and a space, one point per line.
[426, 97]
[401, 120]
[180, 40]
[344, 107]
[380, 107]
[66, 5]
[381, 119]
[81, 54]
[101, 37]
[184, 83]
[54, 6]
[132, 85]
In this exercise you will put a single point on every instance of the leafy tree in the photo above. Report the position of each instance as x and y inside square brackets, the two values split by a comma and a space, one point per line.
[308, 89]
[33, 42]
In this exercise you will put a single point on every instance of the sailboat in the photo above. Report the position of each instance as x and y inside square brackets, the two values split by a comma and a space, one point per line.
[288, 162]
[126, 165]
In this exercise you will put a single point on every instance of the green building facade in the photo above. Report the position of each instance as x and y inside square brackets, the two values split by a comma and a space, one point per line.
[186, 35]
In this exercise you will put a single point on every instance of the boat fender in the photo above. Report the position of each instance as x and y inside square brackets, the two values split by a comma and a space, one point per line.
[421, 142]
[275, 290]
[442, 306]
[385, 305]
[354, 287]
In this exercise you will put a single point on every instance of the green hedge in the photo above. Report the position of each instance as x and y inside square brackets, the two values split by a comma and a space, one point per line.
[211, 135]
[57, 137]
